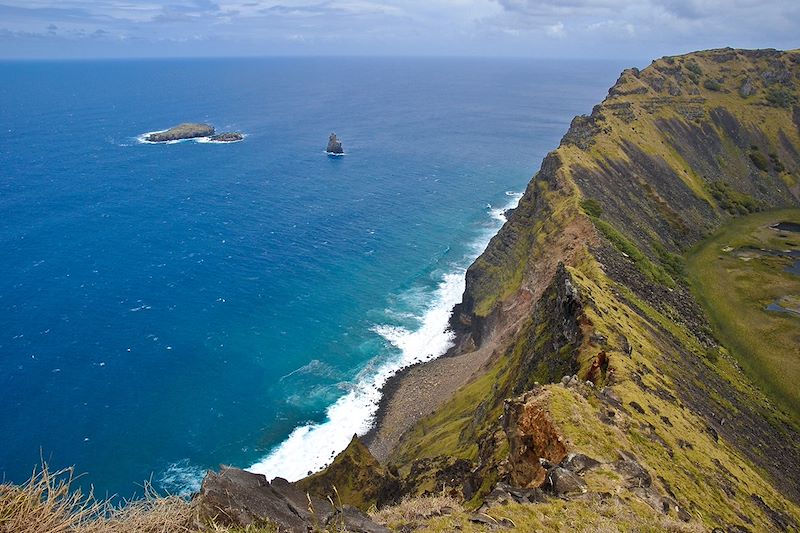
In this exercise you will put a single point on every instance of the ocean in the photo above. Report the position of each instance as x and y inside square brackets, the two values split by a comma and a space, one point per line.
[167, 308]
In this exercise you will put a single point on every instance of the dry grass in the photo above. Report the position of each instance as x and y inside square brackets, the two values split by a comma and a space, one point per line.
[416, 510]
[48, 503]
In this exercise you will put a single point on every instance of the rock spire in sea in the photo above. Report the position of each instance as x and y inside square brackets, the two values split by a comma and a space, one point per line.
[334, 145]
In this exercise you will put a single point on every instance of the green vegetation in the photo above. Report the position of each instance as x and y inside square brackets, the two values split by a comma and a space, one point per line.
[672, 268]
[673, 263]
[355, 477]
[591, 207]
[693, 67]
[712, 85]
[759, 160]
[776, 163]
[438, 514]
[653, 271]
[735, 281]
[780, 97]
[734, 202]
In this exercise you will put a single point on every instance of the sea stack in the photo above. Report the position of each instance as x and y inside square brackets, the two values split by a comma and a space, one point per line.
[334, 145]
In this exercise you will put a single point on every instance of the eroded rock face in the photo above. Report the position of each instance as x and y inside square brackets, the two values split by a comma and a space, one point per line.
[531, 438]
[236, 498]
[554, 335]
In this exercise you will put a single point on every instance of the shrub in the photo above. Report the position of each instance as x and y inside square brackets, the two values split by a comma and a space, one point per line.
[693, 67]
[759, 160]
[776, 163]
[780, 97]
[734, 202]
[712, 85]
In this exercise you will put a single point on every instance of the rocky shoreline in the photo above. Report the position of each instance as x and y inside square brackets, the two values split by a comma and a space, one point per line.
[415, 392]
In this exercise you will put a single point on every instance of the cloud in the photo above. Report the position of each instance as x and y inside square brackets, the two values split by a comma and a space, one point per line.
[556, 30]
[616, 28]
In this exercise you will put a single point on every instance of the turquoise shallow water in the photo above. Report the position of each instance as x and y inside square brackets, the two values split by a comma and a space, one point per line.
[167, 308]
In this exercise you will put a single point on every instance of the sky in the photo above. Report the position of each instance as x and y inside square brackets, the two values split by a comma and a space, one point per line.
[529, 28]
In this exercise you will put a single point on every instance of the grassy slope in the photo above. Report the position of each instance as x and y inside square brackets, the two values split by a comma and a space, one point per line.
[736, 292]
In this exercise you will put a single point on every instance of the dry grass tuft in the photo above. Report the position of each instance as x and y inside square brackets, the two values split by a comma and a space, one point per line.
[45, 504]
[152, 514]
[48, 503]
[415, 510]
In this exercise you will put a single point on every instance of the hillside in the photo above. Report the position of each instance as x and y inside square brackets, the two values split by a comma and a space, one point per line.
[637, 372]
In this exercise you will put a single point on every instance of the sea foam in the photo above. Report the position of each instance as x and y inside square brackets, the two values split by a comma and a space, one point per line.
[311, 447]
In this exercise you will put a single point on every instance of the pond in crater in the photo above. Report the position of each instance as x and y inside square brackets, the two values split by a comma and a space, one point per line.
[787, 226]
[785, 304]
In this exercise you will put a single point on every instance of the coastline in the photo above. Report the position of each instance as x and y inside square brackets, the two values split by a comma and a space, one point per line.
[384, 402]
[417, 391]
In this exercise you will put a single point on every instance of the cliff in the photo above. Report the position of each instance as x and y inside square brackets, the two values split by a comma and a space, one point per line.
[589, 280]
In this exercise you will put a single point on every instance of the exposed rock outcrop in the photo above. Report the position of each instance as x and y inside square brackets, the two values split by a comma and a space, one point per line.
[237, 498]
[531, 439]
[186, 130]
[334, 145]
[227, 137]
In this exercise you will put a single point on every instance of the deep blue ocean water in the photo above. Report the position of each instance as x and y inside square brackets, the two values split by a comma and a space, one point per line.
[167, 308]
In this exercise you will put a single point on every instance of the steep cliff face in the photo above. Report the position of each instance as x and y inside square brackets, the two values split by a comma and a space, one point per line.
[587, 279]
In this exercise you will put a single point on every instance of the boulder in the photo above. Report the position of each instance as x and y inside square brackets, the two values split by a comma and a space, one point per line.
[531, 437]
[579, 463]
[503, 494]
[634, 474]
[234, 497]
[563, 482]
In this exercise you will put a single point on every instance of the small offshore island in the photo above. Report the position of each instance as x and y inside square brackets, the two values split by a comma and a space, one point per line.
[334, 146]
[189, 130]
